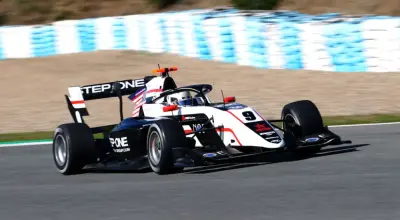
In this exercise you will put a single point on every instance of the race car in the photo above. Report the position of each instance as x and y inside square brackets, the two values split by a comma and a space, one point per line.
[176, 127]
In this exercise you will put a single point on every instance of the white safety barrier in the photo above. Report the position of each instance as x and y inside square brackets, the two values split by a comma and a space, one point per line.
[265, 39]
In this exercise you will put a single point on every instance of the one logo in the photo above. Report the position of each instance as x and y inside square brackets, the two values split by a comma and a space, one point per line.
[119, 142]
[100, 88]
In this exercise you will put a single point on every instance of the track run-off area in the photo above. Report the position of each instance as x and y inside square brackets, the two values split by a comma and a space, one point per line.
[355, 181]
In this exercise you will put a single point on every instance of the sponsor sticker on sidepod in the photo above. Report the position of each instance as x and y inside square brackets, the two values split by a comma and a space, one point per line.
[209, 155]
[310, 140]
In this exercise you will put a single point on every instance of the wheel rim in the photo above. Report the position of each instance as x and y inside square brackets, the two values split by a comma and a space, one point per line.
[60, 151]
[155, 147]
[291, 125]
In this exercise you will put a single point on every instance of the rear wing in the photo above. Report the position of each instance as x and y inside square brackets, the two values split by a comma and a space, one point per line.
[77, 95]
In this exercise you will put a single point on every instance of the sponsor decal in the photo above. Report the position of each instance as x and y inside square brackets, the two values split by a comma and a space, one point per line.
[275, 141]
[311, 140]
[201, 117]
[221, 153]
[262, 127]
[268, 133]
[196, 127]
[264, 130]
[100, 88]
[231, 106]
[234, 106]
[188, 118]
[201, 120]
[122, 150]
[209, 155]
[119, 142]
[120, 145]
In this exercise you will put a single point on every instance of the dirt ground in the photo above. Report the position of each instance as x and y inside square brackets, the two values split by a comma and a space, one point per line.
[32, 90]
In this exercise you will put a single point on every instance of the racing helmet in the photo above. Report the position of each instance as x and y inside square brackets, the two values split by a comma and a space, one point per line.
[183, 98]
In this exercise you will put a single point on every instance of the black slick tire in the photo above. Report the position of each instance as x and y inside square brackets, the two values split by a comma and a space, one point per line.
[78, 150]
[162, 137]
[301, 118]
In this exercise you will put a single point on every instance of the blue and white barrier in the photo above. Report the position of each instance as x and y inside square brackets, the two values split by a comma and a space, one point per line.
[264, 39]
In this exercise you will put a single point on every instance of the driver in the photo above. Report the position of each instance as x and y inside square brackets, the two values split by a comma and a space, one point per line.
[183, 98]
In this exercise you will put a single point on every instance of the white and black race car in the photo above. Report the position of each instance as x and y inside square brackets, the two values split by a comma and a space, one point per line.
[175, 127]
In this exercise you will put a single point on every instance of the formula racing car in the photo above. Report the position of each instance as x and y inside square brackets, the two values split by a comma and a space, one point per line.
[175, 127]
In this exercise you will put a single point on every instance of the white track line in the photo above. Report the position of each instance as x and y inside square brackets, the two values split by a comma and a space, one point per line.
[333, 126]
[360, 125]
[25, 144]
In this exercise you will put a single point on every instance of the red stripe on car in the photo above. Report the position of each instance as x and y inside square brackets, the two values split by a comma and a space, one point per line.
[235, 116]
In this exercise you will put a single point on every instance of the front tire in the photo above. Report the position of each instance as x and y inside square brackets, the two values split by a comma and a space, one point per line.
[73, 148]
[162, 137]
[300, 119]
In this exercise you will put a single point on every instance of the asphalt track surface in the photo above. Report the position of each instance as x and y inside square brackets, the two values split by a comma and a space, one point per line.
[358, 181]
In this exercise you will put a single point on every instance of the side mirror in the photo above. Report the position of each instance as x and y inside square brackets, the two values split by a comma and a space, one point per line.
[229, 99]
[170, 108]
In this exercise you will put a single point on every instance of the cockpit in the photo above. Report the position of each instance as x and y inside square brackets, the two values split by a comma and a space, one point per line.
[194, 95]
[185, 98]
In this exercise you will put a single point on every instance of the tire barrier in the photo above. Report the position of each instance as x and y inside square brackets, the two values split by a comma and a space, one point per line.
[264, 39]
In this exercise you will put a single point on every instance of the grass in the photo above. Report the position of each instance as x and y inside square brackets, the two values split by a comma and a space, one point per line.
[329, 120]
[40, 135]
[362, 119]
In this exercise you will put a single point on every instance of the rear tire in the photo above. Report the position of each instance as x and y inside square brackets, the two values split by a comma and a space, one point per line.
[162, 136]
[301, 118]
[73, 148]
